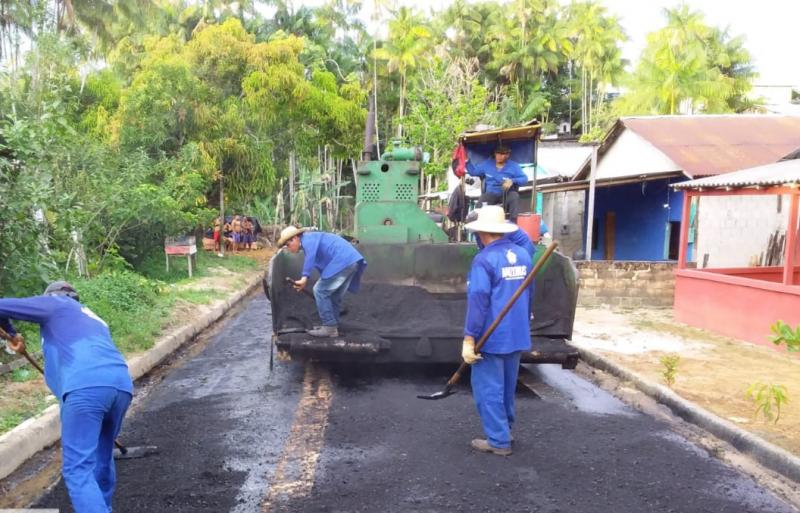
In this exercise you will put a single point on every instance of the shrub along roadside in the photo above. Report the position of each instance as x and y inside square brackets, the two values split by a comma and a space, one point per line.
[136, 308]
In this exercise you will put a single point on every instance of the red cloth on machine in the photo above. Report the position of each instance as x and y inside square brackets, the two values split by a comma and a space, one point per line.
[459, 163]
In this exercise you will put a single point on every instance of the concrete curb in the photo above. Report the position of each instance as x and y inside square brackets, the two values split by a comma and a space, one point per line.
[36, 433]
[769, 455]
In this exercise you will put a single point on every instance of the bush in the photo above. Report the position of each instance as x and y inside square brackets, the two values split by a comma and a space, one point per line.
[118, 290]
[129, 303]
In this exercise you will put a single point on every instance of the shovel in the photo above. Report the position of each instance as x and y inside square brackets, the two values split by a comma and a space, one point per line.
[448, 388]
[121, 452]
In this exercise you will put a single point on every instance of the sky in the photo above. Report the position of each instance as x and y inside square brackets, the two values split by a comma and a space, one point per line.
[770, 28]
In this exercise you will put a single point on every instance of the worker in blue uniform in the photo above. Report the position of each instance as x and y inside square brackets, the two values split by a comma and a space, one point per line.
[90, 379]
[501, 178]
[496, 273]
[339, 264]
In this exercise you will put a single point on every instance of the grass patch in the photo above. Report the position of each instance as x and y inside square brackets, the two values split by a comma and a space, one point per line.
[154, 266]
[22, 405]
[198, 297]
[23, 374]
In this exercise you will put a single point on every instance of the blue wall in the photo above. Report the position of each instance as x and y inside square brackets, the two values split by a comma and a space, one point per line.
[641, 218]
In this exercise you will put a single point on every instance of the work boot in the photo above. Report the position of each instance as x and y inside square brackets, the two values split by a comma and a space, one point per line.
[483, 446]
[324, 331]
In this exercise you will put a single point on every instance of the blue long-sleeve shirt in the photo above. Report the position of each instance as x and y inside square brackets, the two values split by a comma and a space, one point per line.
[77, 345]
[487, 170]
[330, 254]
[496, 273]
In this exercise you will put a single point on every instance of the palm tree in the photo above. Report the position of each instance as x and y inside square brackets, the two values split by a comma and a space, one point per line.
[597, 53]
[408, 40]
[531, 42]
[675, 70]
[108, 21]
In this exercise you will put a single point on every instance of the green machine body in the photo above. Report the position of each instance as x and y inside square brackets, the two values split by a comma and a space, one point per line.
[386, 201]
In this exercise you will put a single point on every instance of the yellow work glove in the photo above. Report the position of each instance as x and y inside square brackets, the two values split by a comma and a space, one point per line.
[507, 184]
[468, 351]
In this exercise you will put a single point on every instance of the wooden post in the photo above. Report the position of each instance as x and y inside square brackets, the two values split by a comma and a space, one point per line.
[590, 209]
[684, 247]
[791, 240]
[221, 212]
[189, 257]
[534, 199]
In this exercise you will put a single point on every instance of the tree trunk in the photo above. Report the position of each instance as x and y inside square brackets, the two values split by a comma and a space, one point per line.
[400, 109]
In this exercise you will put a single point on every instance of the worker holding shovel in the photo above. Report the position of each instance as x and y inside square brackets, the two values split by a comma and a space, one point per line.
[90, 379]
[496, 273]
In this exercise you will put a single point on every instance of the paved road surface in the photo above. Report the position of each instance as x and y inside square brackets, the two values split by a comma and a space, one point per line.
[236, 438]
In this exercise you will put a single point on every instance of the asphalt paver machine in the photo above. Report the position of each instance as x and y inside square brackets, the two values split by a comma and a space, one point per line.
[412, 301]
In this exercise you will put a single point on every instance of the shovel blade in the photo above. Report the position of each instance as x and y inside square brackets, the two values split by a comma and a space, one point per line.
[438, 395]
[135, 452]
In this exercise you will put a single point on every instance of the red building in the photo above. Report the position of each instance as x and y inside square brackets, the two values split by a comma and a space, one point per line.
[743, 302]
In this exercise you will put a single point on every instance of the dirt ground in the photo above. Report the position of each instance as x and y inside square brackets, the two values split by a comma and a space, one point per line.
[713, 371]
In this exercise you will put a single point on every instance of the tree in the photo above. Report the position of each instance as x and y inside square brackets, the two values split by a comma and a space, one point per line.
[409, 39]
[689, 66]
[529, 42]
[448, 101]
[597, 54]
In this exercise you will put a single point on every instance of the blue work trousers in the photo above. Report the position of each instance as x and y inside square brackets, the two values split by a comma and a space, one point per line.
[494, 381]
[90, 422]
[329, 293]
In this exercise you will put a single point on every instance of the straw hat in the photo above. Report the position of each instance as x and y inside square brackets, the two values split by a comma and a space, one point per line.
[491, 219]
[289, 232]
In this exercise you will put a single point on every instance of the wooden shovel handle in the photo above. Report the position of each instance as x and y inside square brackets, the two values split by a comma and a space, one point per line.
[525, 284]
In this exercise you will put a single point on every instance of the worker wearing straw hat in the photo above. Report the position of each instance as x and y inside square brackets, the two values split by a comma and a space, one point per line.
[340, 266]
[496, 273]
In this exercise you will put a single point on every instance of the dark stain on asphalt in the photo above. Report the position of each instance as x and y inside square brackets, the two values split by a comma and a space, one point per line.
[223, 424]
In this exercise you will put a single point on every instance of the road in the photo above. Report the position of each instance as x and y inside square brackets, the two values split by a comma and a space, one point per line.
[235, 437]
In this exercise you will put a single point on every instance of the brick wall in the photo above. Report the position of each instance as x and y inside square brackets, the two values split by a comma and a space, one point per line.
[627, 284]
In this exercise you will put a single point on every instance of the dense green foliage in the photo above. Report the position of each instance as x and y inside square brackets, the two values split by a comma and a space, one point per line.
[121, 121]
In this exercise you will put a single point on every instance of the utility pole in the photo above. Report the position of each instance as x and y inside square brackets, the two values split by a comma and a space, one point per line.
[590, 209]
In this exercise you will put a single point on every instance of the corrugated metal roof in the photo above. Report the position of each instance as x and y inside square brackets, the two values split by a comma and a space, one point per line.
[716, 144]
[779, 173]
[528, 131]
[562, 159]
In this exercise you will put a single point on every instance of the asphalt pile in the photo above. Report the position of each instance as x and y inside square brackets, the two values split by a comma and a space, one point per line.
[386, 310]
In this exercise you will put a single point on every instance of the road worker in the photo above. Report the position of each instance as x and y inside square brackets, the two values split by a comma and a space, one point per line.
[496, 273]
[90, 379]
[340, 266]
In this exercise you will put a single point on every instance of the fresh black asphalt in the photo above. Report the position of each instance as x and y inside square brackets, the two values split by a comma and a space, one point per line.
[235, 437]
